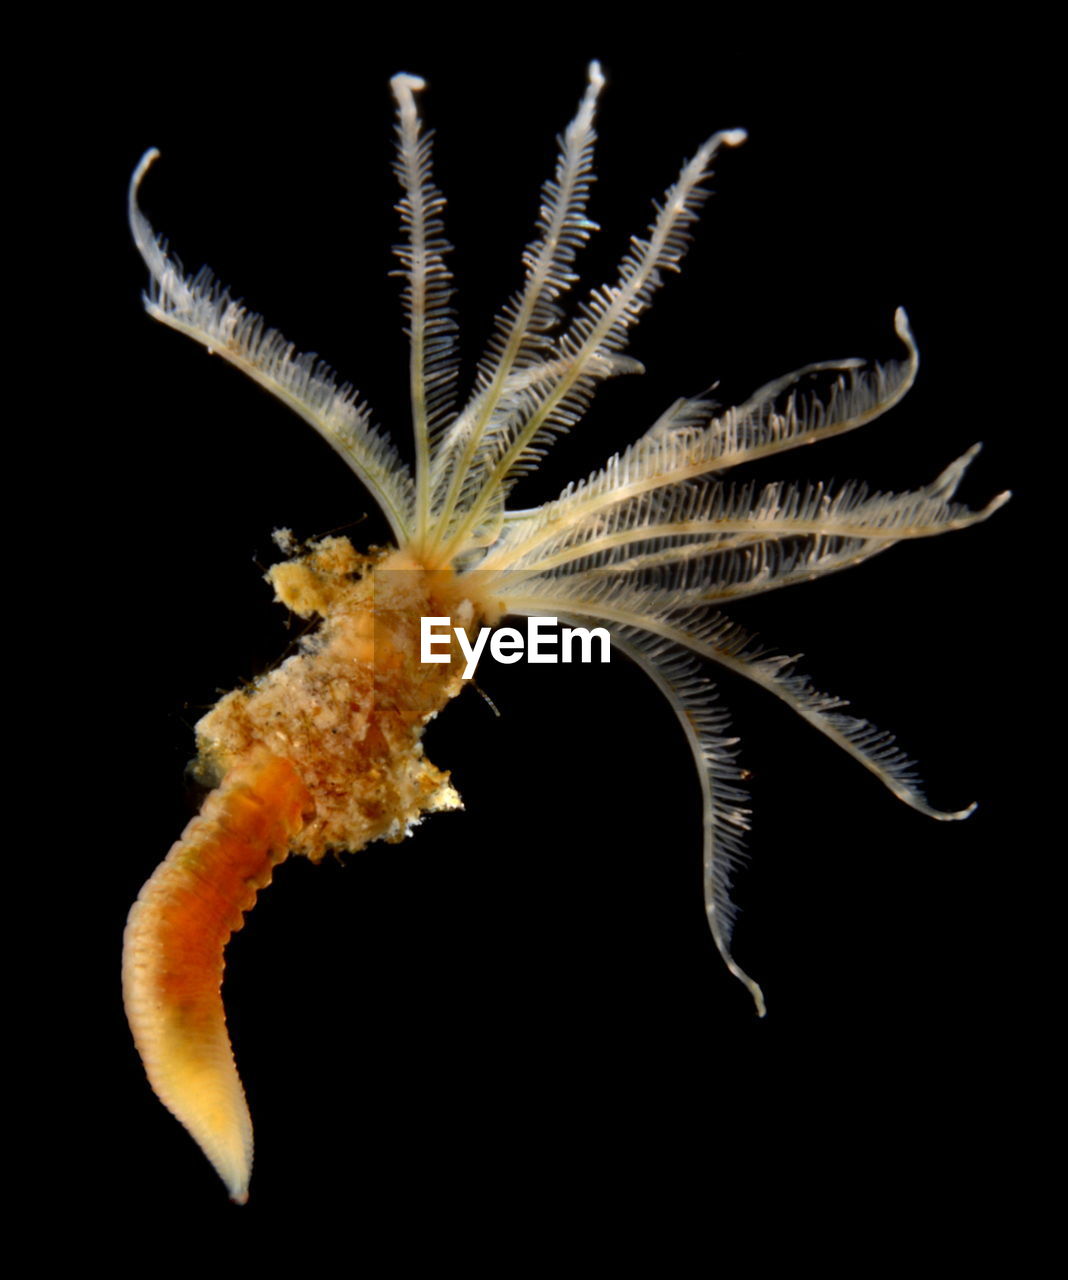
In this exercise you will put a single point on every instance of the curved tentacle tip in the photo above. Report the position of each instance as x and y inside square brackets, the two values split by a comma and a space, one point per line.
[948, 815]
[136, 218]
[758, 1000]
[143, 166]
[405, 84]
[916, 801]
[725, 138]
[752, 987]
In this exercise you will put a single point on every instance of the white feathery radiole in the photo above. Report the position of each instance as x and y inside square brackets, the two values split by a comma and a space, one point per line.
[650, 546]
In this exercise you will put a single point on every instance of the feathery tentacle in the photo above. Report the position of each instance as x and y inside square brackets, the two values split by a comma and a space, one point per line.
[516, 360]
[600, 331]
[725, 817]
[431, 327]
[200, 308]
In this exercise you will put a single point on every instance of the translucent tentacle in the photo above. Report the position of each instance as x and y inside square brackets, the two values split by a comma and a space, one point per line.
[521, 336]
[431, 327]
[715, 637]
[603, 324]
[200, 308]
[725, 817]
[687, 444]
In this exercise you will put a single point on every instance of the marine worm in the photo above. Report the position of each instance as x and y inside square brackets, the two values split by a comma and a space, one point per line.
[324, 754]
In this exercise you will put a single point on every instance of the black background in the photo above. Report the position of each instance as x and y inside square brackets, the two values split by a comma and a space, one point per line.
[519, 1014]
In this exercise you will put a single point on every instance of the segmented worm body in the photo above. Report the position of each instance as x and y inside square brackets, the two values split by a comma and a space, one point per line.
[324, 753]
[173, 953]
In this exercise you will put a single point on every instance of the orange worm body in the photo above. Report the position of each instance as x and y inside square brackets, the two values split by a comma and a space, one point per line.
[323, 753]
[173, 953]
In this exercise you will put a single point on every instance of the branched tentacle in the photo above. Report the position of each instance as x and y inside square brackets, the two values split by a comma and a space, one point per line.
[725, 815]
[428, 288]
[200, 308]
[516, 359]
[715, 637]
